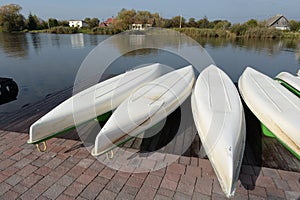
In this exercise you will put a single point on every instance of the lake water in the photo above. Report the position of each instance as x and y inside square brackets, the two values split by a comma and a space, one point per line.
[45, 63]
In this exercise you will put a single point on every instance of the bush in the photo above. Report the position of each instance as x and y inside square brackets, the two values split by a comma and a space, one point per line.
[63, 30]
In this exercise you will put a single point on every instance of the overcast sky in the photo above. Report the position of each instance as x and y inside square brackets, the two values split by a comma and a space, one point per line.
[232, 10]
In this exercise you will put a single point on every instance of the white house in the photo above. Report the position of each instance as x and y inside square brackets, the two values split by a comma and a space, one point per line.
[77, 23]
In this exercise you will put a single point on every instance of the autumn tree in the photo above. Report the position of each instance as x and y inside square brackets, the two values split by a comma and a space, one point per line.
[10, 18]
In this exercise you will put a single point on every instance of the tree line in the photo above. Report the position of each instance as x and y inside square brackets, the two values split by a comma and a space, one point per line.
[12, 20]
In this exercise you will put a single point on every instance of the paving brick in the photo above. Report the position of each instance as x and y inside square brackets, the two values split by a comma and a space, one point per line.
[168, 184]
[264, 181]
[140, 175]
[292, 195]
[22, 163]
[258, 191]
[193, 171]
[2, 177]
[186, 185]
[160, 172]
[34, 192]
[172, 176]
[9, 195]
[11, 151]
[53, 163]
[204, 186]
[127, 193]
[6, 164]
[181, 196]
[58, 171]
[28, 169]
[14, 179]
[281, 184]
[184, 160]
[106, 195]
[101, 180]
[9, 171]
[135, 182]
[76, 171]
[43, 171]
[48, 180]
[129, 190]
[216, 187]
[176, 168]
[39, 162]
[116, 184]
[146, 193]
[199, 196]
[241, 189]
[84, 179]
[194, 162]
[161, 197]
[107, 173]
[153, 181]
[288, 175]
[272, 173]
[74, 189]
[19, 188]
[294, 185]
[85, 163]
[66, 180]
[65, 197]
[274, 192]
[4, 187]
[31, 180]
[166, 192]
[54, 191]
[216, 196]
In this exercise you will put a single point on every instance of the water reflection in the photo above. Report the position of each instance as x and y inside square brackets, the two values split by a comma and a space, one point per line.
[271, 46]
[36, 41]
[14, 45]
[77, 41]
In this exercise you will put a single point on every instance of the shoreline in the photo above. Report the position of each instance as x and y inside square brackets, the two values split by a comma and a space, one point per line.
[258, 33]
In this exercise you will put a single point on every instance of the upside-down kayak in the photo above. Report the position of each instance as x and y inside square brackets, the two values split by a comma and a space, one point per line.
[148, 105]
[276, 108]
[92, 102]
[219, 118]
[290, 82]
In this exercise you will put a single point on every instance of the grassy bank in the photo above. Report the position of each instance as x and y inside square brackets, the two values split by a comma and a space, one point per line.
[255, 33]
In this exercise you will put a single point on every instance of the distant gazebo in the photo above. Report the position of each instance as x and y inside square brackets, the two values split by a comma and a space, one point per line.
[279, 22]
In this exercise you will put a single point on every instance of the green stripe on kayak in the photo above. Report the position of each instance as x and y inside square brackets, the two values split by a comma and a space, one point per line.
[102, 118]
[268, 133]
[289, 87]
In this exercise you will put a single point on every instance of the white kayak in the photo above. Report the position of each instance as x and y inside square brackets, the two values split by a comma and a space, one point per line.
[92, 102]
[276, 107]
[148, 105]
[219, 118]
[289, 81]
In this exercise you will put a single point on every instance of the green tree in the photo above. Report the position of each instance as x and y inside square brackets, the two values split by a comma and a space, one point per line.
[31, 23]
[192, 23]
[294, 25]
[177, 21]
[10, 18]
[252, 23]
[52, 22]
[94, 22]
[125, 19]
[63, 23]
[203, 23]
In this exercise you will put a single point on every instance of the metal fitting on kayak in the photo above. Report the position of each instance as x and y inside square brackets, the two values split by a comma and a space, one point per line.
[39, 148]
